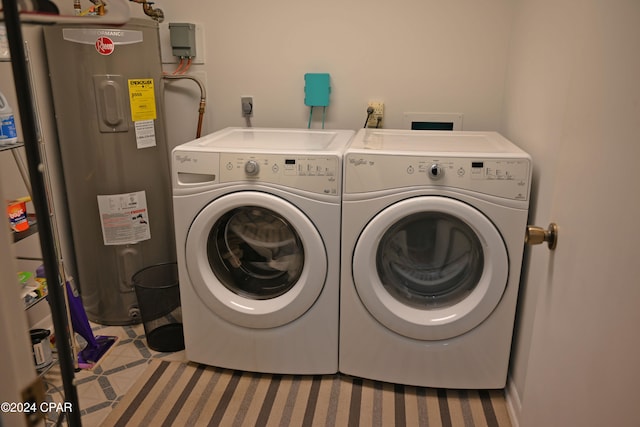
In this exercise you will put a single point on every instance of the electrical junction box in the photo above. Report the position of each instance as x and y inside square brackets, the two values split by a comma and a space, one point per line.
[183, 39]
[316, 89]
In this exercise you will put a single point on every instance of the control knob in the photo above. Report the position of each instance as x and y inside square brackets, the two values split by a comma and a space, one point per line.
[435, 171]
[251, 168]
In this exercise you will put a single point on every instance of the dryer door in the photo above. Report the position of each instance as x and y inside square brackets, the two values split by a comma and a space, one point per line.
[255, 259]
[441, 267]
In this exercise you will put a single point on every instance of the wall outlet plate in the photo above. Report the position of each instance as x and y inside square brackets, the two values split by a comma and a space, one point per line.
[246, 104]
[376, 118]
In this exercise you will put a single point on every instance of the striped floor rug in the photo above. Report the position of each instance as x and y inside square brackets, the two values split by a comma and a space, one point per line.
[187, 394]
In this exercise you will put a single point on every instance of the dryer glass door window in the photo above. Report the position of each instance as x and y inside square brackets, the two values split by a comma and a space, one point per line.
[430, 260]
[255, 252]
[441, 267]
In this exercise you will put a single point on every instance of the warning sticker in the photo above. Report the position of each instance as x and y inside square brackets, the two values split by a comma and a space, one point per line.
[142, 99]
[145, 134]
[124, 218]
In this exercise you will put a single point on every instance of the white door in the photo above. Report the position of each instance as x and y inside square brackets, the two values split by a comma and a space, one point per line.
[255, 259]
[430, 267]
[574, 103]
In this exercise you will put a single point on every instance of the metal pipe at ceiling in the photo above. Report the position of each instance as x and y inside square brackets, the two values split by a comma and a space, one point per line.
[147, 8]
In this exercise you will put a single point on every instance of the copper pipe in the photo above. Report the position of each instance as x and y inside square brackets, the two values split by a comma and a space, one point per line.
[203, 97]
[200, 117]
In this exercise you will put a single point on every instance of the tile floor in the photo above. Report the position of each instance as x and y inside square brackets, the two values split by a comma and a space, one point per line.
[102, 387]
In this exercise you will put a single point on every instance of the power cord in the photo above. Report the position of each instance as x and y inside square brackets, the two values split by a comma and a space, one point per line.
[369, 113]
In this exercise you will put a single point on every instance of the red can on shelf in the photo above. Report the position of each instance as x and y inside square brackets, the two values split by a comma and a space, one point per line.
[17, 211]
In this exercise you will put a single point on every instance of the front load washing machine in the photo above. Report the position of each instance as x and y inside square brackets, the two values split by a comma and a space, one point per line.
[257, 214]
[432, 242]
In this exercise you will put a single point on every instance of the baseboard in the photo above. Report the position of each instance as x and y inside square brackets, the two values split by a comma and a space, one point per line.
[514, 407]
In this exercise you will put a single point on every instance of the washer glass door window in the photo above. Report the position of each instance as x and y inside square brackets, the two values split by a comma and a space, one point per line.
[255, 252]
[441, 267]
[255, 259]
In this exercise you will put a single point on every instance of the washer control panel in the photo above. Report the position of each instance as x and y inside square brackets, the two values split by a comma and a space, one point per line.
[318, 174]
[502, 177]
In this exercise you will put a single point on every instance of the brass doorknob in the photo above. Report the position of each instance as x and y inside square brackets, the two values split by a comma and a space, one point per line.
[536, 235]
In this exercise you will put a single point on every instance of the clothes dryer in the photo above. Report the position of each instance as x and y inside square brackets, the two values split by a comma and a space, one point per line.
[432, 242]
[257, 214]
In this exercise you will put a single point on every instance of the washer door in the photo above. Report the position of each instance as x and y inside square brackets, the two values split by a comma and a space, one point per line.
[441, 267]
[255, 259]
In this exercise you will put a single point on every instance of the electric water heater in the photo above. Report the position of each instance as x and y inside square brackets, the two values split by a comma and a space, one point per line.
[106, 84]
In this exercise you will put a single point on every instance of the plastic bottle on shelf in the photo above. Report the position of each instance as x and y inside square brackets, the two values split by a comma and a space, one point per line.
[8, 134]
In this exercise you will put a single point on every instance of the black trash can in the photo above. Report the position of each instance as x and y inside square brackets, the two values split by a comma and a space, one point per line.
[158, 292]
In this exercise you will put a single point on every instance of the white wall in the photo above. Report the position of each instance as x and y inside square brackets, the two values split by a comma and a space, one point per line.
[414, 55]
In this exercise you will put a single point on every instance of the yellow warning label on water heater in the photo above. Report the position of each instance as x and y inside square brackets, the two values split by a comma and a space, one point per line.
[142, 99]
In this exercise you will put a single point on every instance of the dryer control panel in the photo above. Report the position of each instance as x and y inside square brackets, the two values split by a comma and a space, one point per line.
[502, 177]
